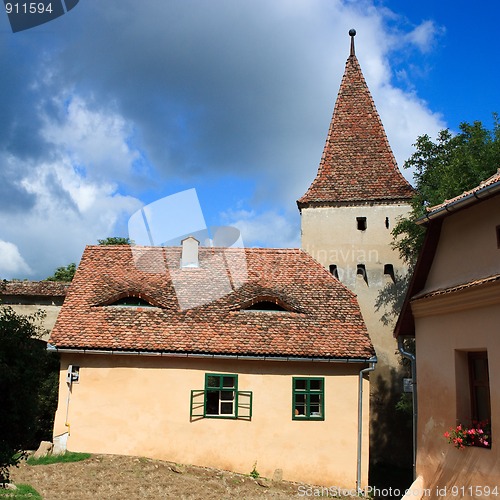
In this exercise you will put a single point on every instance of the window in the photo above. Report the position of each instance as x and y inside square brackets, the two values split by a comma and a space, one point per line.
[479, 386]
[308, 398]
[387, 222]
[221, 399]
[498, 236]
[361, 272]
[220, 394]
[361, 223]
[389, 271]
[334, 270]
[265, 305]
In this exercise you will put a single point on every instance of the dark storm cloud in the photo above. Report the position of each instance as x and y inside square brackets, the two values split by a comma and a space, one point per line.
[13, 197]
[209, 85]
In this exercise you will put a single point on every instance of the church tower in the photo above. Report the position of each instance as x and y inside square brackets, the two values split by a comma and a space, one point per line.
[348, 212]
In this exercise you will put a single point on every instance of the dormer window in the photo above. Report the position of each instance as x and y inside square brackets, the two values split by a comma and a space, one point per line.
[266, 304]
[361, 223]
[131, 302]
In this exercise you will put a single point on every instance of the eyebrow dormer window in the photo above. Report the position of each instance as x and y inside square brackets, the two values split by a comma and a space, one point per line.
[131, 302]
[265, 306]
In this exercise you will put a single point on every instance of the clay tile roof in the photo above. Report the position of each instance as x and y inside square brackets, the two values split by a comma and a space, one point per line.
[357, 163]
[34, 288]
[321, 319]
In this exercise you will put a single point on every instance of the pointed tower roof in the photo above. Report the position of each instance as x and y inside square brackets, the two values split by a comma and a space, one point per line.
[357, 163]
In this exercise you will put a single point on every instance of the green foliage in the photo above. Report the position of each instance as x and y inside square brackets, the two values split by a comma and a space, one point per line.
[69, 456]
[23, 492]
[64, 274]
[444, 169]
[21, 368]
[255, 473]
[114, 240]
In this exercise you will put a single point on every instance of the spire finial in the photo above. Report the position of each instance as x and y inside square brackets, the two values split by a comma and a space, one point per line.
[352, 34]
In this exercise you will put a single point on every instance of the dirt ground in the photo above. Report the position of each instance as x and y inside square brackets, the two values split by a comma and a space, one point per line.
[113, 477]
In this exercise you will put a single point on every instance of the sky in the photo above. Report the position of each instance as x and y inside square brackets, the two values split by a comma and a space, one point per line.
[118, 104]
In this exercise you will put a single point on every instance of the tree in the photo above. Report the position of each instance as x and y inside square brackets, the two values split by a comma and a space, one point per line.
[114, 240]
[64, 274]
[444, 169]
[22, 360]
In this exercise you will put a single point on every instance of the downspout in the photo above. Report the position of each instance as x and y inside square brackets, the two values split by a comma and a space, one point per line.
[411, 357]
[360, 421]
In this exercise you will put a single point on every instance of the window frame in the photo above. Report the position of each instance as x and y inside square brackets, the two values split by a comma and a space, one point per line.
[220, 389]
[308, 392]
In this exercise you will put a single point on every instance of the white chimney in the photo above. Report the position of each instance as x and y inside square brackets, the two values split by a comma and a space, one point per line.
[189, 256]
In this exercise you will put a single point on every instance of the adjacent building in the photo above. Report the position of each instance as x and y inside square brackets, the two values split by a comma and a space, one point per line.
[453, 311]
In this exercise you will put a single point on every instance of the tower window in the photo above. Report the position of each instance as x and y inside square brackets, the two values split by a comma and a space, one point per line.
[361, 223]
[389, 271]
[387, 222]
[361, 273]
[334, 271]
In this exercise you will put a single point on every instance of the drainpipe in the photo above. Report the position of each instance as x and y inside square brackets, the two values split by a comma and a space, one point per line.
[411, 357]
[360, 421]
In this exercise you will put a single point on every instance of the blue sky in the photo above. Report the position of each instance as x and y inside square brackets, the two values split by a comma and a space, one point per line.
[117, 104]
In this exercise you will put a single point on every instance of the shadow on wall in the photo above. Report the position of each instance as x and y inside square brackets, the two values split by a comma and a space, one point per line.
[391, 444]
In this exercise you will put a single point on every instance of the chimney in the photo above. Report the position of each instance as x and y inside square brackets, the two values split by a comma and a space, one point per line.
[189, 257]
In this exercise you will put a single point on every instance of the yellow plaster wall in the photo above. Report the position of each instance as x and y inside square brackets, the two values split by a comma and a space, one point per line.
[139, 405]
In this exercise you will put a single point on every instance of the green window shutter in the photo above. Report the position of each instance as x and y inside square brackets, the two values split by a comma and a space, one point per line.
[197, 409]
[244, 405]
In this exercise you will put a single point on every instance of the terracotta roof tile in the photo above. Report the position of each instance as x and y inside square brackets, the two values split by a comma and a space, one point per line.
[34, 288]
[357, 162]
[324, 321]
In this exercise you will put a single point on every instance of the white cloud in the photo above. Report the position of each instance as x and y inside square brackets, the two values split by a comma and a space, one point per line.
[12, 264]
[264, 229]
[423, 36]
[94, 140]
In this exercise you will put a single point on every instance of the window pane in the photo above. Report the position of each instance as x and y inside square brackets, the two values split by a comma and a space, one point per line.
[482, 403]
[213, 381]
[226, 408]
[228, 382]
[212, 407]
[227, 395]
[316, 385]
[480, 370]
[300, 384]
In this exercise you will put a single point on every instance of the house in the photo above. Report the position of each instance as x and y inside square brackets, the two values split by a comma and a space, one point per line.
[347, 215]
[27, 297]
[452, 310]
[264, 366]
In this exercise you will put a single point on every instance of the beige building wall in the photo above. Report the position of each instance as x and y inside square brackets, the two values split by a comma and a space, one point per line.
[468, 247]
[49, 320]
[446, 329]
[140, 405]
[330, 235]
